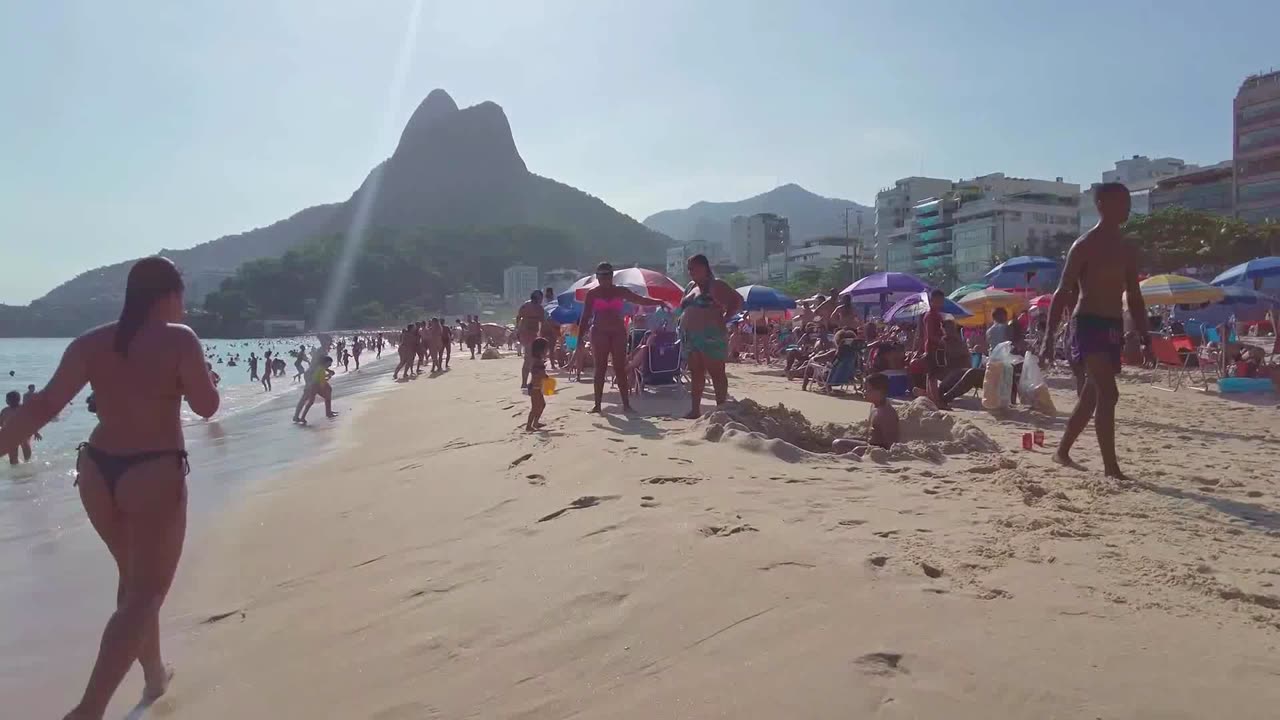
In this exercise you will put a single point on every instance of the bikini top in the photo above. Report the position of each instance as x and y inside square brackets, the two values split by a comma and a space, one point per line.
[607, 305]
[701, 300]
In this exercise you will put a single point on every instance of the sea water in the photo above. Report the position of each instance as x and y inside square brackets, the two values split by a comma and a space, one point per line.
[57, 583]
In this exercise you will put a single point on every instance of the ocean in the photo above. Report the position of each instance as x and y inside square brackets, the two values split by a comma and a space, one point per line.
[57, 584]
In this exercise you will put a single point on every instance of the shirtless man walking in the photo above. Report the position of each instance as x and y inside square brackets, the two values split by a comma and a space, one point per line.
[1101, 266]
[528, 323]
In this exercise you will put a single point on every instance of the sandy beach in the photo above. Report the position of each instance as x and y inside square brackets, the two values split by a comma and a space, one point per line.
[442, 564]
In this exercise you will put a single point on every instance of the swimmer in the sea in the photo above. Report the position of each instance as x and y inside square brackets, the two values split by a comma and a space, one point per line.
[12, 402]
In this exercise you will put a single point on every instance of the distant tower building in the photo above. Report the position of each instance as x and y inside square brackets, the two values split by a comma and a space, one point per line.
[518, 281]
[1256, 150]
[754, 238]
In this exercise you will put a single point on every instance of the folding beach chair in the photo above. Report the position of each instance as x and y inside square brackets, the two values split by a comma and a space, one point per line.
[1176, 367]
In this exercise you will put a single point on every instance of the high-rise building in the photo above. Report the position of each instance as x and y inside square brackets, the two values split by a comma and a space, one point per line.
[1138, 173]
[754, 238]
[893, 210]
[1207, 189]
[1256, 177]
[518, 282]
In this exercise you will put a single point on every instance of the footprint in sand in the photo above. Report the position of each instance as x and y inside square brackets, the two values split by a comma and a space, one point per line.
[219, 617]
[881, 663]
[585, 501]
[536, 479]
[668, 479]
[931, 570]
[726, 530]
[878, 560]
[519, 460]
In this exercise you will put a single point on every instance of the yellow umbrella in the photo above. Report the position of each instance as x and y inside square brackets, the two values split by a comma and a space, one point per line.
[984, 302]
[1177, 290]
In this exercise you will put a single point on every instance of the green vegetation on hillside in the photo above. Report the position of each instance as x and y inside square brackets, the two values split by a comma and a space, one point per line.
[396, 275]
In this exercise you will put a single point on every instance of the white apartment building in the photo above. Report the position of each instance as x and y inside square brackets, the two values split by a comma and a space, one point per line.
[753, 238]
[893, 210]
[1140, 174]
[1004, 216]
[518, 282]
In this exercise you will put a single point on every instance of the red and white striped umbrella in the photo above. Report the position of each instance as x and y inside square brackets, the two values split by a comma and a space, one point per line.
[649, 283]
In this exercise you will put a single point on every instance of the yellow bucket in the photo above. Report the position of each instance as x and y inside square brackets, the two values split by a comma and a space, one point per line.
[548, 386]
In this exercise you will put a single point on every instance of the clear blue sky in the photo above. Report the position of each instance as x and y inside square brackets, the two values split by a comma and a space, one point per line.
[130, 126]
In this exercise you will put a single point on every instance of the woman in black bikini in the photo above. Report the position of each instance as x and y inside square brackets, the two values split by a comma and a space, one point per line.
[132, 471]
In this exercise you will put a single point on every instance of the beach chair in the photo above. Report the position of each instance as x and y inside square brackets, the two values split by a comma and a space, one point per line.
[661, 364]
[1175, 367]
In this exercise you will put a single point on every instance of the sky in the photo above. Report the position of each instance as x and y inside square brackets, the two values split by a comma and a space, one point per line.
[128, 126]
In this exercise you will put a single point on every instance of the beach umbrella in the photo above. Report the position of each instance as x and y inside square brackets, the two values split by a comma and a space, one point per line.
[648, 283]
[984, 302]
[760, 297]
[912, 307]
[886, 283]
[1256, 268]
[1245, 295]
[1023, 265]
[1177, 290]
[565, 314]
[966, 289]
[1042, 302]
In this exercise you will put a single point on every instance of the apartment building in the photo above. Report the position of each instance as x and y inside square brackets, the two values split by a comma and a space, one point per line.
[1256, 154]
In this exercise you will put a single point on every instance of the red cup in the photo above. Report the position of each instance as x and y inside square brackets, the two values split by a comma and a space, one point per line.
[1039, 438]
[1026, 441]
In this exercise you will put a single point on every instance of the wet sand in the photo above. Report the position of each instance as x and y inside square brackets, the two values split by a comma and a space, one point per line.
[444, 564]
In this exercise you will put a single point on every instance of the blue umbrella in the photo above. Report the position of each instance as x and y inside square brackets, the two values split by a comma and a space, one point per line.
[565, 314]
[1255, 268]
[912, 307]
[1024, 264]
[760, 297]
[1243, 295]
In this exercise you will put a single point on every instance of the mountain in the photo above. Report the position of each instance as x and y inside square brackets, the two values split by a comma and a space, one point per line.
[452, 168]
[809, 215]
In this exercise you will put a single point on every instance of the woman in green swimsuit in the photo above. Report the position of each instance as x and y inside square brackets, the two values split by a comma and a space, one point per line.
[707, 304]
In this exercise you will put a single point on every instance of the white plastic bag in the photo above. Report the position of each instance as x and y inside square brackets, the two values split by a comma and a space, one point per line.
[1032, 378]
[997, 384]
[1033, 389]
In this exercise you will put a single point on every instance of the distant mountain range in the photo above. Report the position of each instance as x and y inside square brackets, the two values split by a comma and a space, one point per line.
[810, 215]
[451, 168]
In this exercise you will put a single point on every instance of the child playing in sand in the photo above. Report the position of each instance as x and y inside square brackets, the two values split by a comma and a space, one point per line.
[883, 420]
[537, 375]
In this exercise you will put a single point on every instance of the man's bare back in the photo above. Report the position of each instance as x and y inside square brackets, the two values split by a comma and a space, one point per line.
[1099, 267]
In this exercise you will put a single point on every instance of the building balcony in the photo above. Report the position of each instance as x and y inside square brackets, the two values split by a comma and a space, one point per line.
[931, 250]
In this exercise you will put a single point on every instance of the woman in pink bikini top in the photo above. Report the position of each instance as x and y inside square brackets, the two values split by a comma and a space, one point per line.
[602, 313]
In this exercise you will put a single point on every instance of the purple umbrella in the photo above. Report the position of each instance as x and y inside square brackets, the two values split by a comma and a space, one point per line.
[913, 306]
[886, 283]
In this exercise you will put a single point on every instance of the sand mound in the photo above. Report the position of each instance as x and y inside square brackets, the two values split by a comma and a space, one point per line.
[788, 434]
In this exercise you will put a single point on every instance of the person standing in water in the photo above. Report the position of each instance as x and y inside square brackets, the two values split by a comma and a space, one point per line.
[132, 471]
[267, 371]
[528, 322]
[298, 361]
[707, 305]
[13, 401]
[29, 395]
[1100, 273]
[602, 310]
[253, 367]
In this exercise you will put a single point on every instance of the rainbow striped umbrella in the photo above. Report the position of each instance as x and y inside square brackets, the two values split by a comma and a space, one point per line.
[1177, 290]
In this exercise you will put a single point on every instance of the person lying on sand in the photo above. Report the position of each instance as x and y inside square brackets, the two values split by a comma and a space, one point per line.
[883, 421]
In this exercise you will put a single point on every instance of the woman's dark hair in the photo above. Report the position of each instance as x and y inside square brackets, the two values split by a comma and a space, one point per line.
[13, 398]
[702, 260]
[150, 280]
[539, 347]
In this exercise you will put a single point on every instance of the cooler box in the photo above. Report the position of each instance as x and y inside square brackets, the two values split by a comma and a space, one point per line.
[899, 383]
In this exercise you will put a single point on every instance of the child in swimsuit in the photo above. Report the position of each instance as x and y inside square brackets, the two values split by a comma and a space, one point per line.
[12, 400]
[537, 375]
[319, 386]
